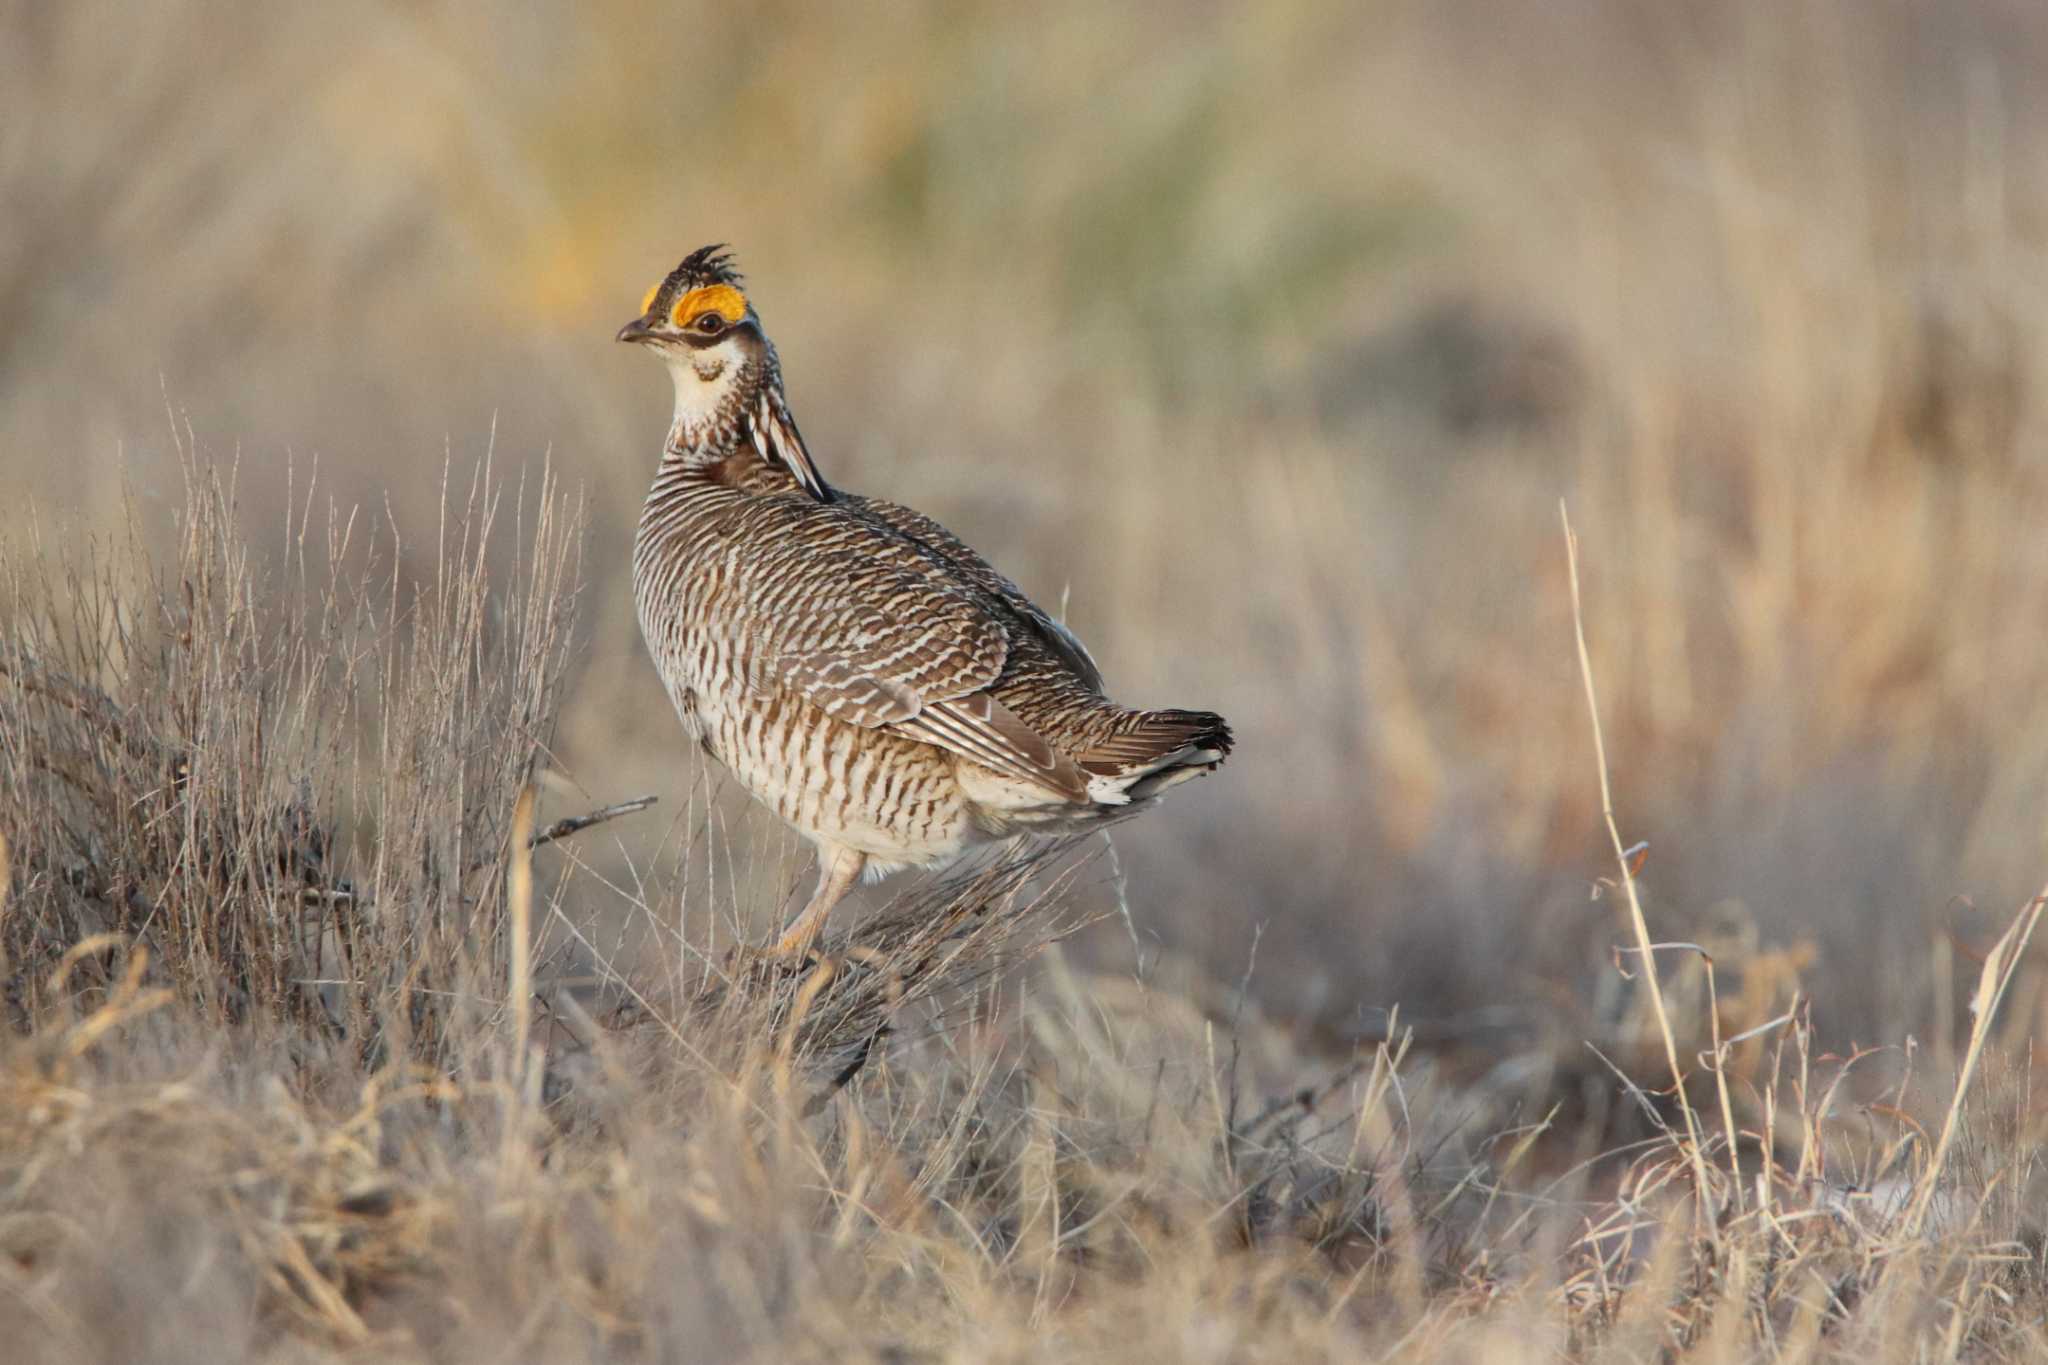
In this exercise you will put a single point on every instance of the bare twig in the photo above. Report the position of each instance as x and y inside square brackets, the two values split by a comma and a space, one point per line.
[1301, 1101]
[576, 824]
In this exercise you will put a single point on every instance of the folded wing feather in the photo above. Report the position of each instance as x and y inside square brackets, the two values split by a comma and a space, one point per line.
[880, 639]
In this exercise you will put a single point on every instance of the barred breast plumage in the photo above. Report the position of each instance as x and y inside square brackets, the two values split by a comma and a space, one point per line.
[858, 669]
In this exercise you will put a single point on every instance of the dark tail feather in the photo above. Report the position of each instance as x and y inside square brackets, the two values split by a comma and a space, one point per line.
[1157, 750]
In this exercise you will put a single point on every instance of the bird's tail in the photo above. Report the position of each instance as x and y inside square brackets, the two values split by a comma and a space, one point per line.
[1152, 751]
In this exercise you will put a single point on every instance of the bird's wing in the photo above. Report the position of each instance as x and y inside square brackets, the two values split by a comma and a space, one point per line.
[870, 629]
[980, 727]
[915, 525]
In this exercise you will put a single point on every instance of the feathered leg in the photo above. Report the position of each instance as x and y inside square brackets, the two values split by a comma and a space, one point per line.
[838, 869]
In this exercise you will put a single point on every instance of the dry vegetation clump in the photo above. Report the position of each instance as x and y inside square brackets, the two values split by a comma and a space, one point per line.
[1274, 338]
[308, 1059]
[290, 789]
[1264, 335]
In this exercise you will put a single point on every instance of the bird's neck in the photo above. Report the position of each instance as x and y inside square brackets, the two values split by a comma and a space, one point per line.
[697, 436]
[717, 447]
[742, 438]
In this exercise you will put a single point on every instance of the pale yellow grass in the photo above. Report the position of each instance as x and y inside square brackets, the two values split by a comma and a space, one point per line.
[1265, 340]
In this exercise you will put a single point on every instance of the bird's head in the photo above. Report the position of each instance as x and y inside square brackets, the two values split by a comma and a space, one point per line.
[697, 307]
[701, 325]
[728, 381]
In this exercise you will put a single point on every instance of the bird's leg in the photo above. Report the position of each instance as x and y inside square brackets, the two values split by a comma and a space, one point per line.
[838, 870]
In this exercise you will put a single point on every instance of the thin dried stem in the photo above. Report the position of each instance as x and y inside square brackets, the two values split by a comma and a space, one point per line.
[1695, 1156]
[1999, 966]
[576, 824]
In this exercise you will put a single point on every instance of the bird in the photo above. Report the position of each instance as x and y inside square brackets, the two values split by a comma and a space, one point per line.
[853, 664]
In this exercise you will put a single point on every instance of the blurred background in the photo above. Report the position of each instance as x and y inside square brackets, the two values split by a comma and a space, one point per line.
[1266, 339]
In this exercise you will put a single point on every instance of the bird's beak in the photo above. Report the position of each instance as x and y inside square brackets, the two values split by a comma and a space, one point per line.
[636, 330]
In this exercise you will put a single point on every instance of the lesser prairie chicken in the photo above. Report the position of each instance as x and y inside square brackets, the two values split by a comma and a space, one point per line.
[859, 670]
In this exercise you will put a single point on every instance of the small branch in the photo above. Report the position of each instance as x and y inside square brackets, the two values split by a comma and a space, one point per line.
[576, 824]
[1304, 1100]
[562, 829]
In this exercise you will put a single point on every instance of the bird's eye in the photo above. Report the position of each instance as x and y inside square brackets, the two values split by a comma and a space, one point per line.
[710, 324]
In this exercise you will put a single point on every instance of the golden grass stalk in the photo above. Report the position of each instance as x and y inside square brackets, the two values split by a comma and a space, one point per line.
[1992, 981]
[523, 1073]
[1695, 1153]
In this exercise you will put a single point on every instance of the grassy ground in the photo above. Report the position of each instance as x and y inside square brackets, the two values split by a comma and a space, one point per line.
[1267, 339]
[314, 1057]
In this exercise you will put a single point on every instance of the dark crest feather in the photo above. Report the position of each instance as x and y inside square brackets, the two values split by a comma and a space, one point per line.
[706, 265]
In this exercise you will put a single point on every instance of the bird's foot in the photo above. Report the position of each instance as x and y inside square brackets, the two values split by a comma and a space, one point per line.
[784, 959]
[814, 965]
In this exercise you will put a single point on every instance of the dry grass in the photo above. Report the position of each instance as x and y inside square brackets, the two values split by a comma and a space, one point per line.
[311, 1060]
[1757, 286]
[1266, 339]
[293, 793]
